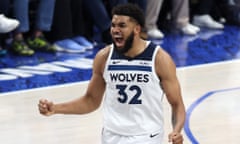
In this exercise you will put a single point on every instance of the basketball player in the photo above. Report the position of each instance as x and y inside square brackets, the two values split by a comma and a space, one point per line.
[132, 75]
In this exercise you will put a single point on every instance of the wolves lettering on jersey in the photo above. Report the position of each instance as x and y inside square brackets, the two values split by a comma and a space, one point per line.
[121, 77]
[143, 63]
[116, 66]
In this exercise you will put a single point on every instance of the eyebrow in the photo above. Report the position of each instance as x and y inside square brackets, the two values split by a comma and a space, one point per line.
[119, 23]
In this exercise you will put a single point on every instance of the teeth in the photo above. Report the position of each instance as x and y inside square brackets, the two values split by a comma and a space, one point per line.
[117, 36]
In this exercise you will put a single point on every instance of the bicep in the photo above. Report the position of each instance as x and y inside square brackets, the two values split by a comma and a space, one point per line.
[172, 90]
[166, 70]
[96, 86]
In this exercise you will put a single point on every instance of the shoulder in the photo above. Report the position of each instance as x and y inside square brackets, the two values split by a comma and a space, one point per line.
[162, 56]
[101, 58]
[103, 53]
[164, 62]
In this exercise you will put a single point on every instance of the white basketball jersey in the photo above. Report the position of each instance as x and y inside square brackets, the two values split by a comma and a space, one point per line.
[133, 97]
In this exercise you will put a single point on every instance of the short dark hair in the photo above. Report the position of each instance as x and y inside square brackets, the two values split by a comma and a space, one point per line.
[131, 10]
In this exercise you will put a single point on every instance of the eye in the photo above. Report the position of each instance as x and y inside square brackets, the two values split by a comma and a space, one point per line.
[112, 25]
[122, 25]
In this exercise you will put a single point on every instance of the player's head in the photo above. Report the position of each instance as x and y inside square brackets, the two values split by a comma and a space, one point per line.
[127, 23]
[131, 10]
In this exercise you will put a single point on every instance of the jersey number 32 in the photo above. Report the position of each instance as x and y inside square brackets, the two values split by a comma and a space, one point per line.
[124, 97]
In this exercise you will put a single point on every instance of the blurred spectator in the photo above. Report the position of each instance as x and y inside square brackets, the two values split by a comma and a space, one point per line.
[179, 17]
[152, 13]
[68, 20]
[42, 21]
[141, 3]
[201, 10]
[237, 2]
[228, 11]
[6, 24]
[99, 14]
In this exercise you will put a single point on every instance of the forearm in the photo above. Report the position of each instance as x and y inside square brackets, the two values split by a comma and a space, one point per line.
[178, 118]
[81, 105]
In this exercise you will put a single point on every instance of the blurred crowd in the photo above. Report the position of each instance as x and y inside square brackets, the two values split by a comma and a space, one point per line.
[53, 25]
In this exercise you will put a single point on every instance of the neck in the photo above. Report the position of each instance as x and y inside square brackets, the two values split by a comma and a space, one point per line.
[138, 47]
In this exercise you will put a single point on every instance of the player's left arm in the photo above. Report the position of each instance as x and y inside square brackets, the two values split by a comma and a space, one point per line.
[166, 70]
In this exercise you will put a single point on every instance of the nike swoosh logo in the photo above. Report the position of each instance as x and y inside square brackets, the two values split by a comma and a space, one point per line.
[153, 135]
[115, 62]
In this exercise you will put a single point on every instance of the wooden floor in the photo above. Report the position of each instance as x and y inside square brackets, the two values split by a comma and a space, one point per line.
[211, 95]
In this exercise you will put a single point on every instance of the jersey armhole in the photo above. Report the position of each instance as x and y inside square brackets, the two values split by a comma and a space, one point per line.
[107, 61]
[154, 62]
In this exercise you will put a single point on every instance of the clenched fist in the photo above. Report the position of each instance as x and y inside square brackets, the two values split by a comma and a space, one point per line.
[46, 107]
[175, 138]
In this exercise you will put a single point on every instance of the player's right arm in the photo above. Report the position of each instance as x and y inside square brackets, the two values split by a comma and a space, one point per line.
[90, 101]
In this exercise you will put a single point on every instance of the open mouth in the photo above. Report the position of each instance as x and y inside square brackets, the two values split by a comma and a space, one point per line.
[119, 41]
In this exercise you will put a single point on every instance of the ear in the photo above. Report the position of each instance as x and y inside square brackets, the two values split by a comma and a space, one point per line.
[137, 29]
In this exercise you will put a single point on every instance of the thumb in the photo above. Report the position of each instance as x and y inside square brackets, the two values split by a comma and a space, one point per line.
[50, 108]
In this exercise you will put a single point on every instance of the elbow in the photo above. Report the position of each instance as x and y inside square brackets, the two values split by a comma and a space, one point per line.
[93, 104]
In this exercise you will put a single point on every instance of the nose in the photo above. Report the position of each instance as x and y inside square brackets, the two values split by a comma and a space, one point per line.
[115, 30]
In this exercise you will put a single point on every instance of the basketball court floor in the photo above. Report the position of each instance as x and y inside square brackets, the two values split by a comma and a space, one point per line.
[208, 68]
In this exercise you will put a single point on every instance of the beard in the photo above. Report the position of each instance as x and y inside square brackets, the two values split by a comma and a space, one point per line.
[127, 46]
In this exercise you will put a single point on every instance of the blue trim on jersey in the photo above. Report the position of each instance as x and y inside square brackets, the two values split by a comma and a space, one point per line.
[145, 55]
[129, 68]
